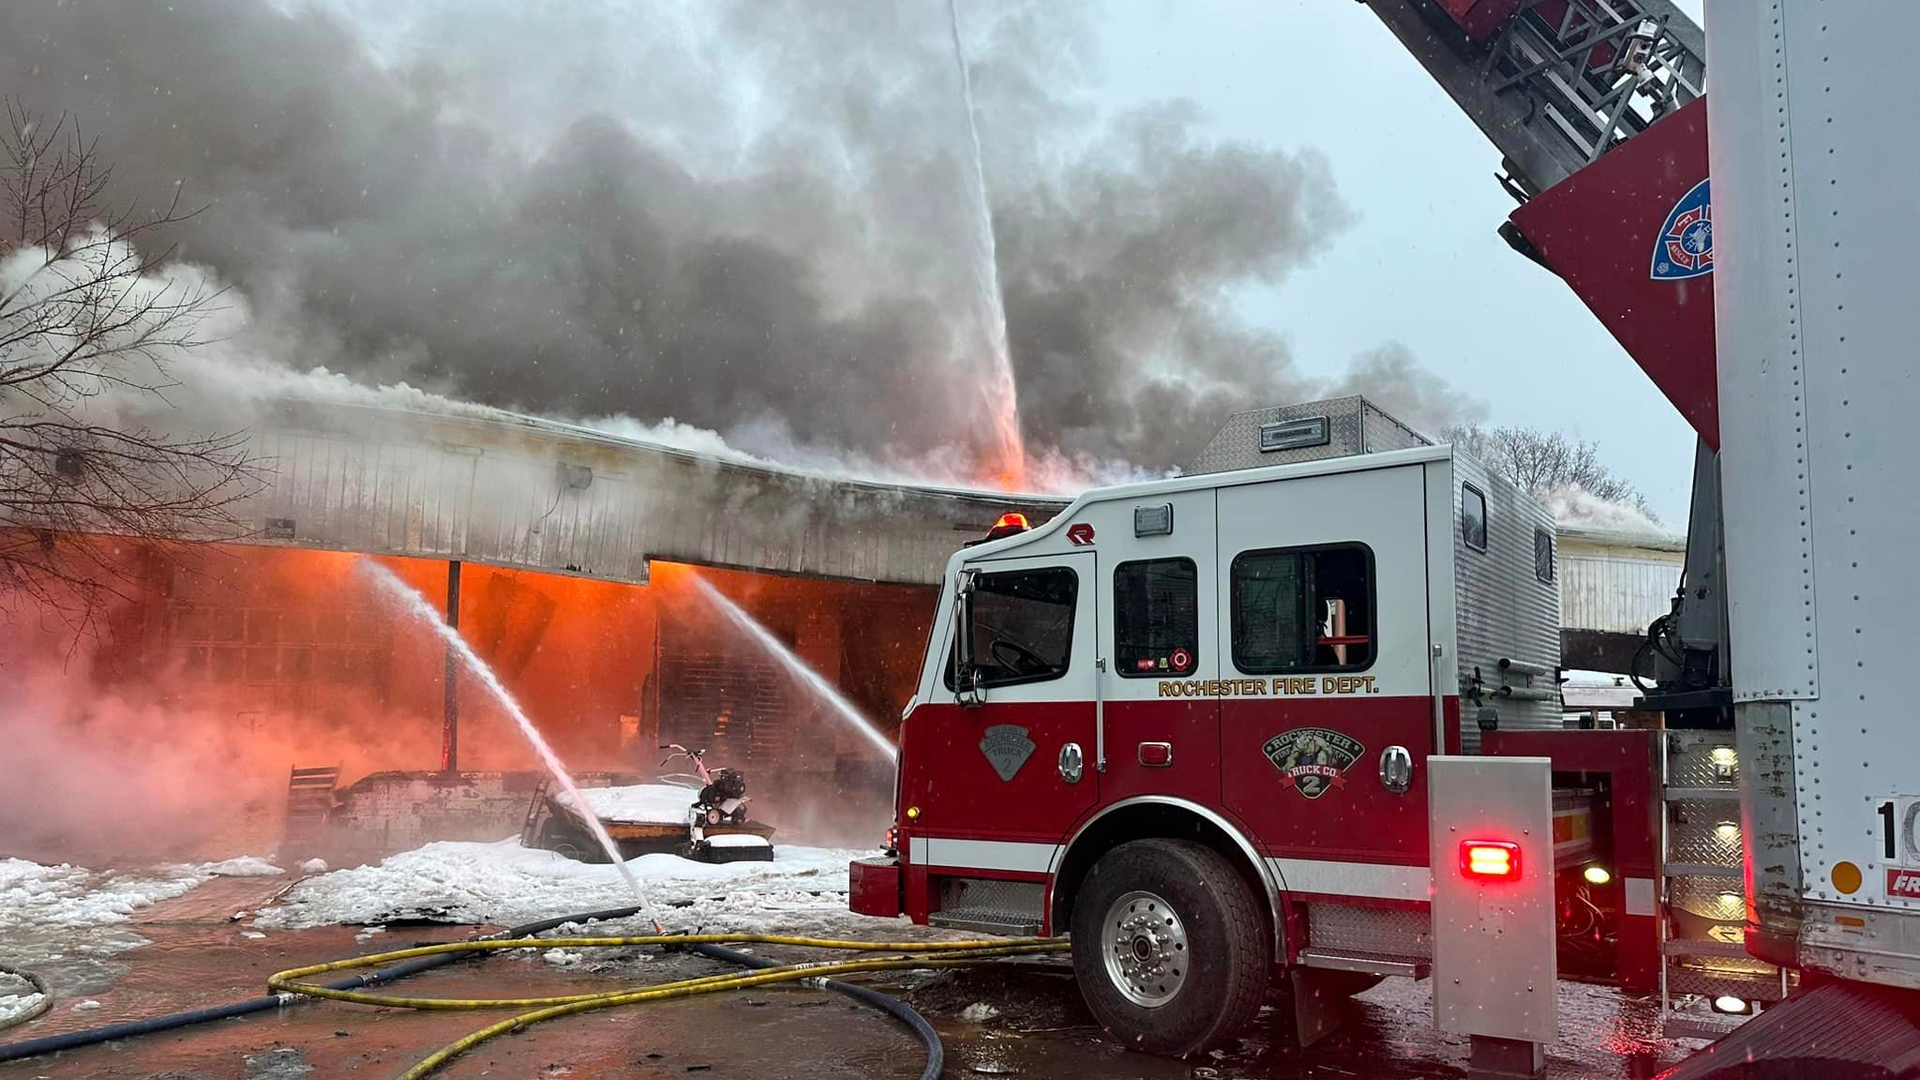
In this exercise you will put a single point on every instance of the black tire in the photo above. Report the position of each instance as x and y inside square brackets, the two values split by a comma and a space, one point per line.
[1226, 938]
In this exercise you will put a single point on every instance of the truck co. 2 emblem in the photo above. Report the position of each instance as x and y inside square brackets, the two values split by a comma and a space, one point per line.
[1007, 748]
[1312, 759]
[1684, 248]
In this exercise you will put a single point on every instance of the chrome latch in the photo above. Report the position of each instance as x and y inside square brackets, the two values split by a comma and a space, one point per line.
[1396, 769]
[1072, 763]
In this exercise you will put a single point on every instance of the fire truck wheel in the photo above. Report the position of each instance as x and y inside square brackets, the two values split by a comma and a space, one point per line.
[1169, 947]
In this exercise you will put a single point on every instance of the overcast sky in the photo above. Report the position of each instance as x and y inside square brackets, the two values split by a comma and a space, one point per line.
[1423, 263]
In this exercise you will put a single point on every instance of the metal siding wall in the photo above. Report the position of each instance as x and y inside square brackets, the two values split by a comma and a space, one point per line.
[1503, 610]
[1602, 591]
[490, 490]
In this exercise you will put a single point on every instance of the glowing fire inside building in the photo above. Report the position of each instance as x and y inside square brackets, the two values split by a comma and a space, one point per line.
[242, 693]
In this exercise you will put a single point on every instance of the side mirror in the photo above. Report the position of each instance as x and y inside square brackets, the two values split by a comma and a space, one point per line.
[967, 685]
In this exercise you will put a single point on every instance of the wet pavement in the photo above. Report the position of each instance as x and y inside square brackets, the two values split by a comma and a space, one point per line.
[1021, 1019]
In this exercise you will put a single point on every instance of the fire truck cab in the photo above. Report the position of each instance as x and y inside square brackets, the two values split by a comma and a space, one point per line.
[1188, 721]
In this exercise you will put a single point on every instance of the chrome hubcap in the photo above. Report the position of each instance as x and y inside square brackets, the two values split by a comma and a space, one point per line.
[1145, 946]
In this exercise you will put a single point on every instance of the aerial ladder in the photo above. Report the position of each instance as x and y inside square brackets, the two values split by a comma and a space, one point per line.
[1788, 825]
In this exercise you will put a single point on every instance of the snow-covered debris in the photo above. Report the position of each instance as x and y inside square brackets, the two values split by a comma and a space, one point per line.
[314, 866]
[504, 883]
[978, 1013]
[664, 803]
[737, 840]
[85, 1006]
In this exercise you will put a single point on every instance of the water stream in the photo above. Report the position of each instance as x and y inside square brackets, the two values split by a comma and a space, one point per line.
[1002, 397]
[812, 679]
[416, 605]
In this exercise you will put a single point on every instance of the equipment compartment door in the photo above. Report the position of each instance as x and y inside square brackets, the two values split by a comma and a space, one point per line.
[1158, 615]
[996, 787]
[1323, 620]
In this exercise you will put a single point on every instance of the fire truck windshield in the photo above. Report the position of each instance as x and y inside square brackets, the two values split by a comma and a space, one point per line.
[1022, 626]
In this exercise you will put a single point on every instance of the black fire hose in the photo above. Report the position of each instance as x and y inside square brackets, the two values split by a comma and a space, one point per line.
[72, 1040]
[129, 1028]
[892, 1006]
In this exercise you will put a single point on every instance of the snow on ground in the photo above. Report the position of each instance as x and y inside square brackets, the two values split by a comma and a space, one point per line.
[244, 866]
[504, 883]
[72, 896]
[664, 803]
[71, 913]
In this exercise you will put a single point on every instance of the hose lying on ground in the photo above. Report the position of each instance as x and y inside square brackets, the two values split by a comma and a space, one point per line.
[289, 988]
[74, 1039]
[923, 954]
[39, 987]
[892, 1006]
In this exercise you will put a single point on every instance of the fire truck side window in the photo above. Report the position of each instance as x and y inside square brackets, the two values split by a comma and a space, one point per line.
[1022, 625]
[1156, 618]
[1303, 609]
[1473, 517]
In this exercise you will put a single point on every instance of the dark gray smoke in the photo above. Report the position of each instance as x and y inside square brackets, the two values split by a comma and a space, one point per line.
[748, 216]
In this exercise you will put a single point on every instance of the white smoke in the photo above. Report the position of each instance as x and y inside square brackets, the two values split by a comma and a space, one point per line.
[1575, 507]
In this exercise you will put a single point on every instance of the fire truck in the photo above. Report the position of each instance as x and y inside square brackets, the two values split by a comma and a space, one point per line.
[1242, 729]
[1188, 720]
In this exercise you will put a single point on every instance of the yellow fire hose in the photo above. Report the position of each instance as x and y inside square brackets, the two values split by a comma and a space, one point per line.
[915, 954]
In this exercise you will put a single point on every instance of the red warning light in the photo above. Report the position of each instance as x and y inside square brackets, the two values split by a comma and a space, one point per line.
[1490, 860]
[1011, 522]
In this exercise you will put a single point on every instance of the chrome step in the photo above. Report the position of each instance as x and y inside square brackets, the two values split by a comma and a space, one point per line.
[985, 922]
[1705, 870]
[1703, 1025]
[1747, 985]
[1703, 947]
[1677, 793]
[1366, 963]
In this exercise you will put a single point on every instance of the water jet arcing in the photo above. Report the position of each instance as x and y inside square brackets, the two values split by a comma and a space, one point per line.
[416, 605]
[1002, 400]
[812, 679]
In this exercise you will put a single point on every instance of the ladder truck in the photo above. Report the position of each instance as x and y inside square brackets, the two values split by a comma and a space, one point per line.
[1290, 723]
[1789, 350]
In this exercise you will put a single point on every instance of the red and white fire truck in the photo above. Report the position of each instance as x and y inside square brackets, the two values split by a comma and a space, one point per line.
[1189, 720]
[1204, 724]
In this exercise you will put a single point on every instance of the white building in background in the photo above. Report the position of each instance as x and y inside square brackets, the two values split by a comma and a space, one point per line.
[1617, 582]
[1612, 584]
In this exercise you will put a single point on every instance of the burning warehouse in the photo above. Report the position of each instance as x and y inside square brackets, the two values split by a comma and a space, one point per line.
[629, 595]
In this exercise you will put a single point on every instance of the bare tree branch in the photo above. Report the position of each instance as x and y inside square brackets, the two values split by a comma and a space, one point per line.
[90, 317]
[1543, 462]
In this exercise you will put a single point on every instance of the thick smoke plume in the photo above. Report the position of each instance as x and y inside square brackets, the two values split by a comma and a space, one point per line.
[753, 218]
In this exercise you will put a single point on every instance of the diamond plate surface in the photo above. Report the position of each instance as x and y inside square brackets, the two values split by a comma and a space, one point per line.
[1711, 901]
[1752, 985]
[1353, 427]
[1703, 831]
[994, 901]
[1383, 931]
[1690, 761]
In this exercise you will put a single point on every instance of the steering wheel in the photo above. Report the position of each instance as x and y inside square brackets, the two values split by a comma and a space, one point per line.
[1023, 659]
